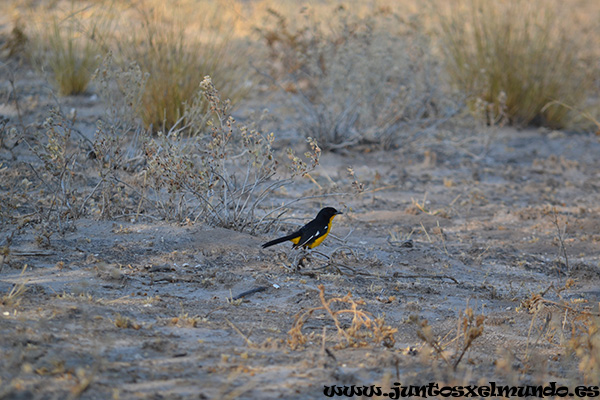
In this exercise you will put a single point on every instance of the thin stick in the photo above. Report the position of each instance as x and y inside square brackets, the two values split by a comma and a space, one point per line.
[235, 328]
[529, 332]
[427, 234]
[249, 292]
[560, 239]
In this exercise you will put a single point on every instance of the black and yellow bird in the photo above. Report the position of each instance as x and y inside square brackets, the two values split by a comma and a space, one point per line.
[312, 234]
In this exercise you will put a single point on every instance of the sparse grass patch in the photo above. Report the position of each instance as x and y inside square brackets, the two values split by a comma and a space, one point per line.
[13, 298]
[124, 322]
[518, 48]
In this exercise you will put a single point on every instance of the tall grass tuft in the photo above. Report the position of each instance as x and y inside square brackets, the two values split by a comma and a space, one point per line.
[66, 43]
[518, 48]
[176, 54]
[72, 57]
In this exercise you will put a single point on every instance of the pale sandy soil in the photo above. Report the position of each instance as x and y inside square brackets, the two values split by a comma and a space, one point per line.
[484, 236]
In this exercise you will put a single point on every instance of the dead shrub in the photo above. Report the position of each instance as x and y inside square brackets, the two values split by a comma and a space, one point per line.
[577, 326]
[357, 79]
[363, 327]
[116, 148]
[221, 177]
[59, 202]
[470, 327]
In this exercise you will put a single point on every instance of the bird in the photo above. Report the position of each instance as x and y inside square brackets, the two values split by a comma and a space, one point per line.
[312, 234]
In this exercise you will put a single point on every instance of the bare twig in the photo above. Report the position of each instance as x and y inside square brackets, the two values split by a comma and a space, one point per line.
[250, 292]
[235, 328]
[559, 234]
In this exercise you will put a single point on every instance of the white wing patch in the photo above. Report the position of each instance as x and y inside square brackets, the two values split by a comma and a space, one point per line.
[316, 235]
[308, 240]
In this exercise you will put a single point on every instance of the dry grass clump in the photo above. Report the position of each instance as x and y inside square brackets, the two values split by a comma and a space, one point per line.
[124, 322]
[586, 346]
[362, 328]
[72, 58]
[13, 298]
[470, 327]
[572, 323]
[15, 44]
[357, 79]
[519, 51]
[64, 43]
[176, 47]
[185, 320]
[15, 295]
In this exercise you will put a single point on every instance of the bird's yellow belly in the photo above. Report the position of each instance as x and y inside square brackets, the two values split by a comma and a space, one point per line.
[318, 240]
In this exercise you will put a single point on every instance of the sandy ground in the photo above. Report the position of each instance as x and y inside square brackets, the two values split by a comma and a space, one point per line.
[121, 309]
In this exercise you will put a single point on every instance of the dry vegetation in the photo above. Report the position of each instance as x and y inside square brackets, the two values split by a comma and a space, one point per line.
[516, 55]
[145, 145]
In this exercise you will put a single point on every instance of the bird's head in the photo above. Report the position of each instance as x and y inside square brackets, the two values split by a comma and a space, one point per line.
[328, 212]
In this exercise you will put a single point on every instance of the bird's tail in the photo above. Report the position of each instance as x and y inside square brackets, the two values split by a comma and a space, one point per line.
[279, 240]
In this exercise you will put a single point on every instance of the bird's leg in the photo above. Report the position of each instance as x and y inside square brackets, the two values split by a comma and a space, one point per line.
[296, 261]
[303, 258]
[286, 261]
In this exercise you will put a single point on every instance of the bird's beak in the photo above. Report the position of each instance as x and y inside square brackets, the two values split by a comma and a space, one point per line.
[338, 213]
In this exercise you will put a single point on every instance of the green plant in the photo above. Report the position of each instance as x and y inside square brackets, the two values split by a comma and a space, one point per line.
[517, 51]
